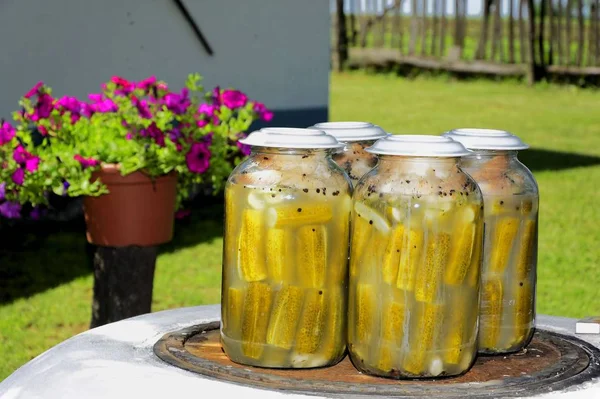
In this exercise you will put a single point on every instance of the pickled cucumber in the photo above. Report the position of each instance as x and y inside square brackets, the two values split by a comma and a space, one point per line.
[311, 247]
[523, 311]
[387, 357]
[232, 319]
[364, 308]
[373, 217]
[312, 323]
[527, 250]
[410, 257]
[284, 316]
[334, 342]
[460, 256]
[277, 251]
[422, 338]
[392, 323]
[474, 273]
[502, 243]
[231, 242]
[429, 275]
[251, 263]
[391, 256]
[292, 215]
[255, 319]
[455, 321]
[490, 313]
[361, 231]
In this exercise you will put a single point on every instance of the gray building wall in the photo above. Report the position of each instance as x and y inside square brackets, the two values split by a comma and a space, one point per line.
[277, 51]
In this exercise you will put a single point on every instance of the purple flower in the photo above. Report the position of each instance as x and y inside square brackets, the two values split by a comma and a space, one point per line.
[43, 107]
[34, 90]
[24, 158]
[142, 106]
[66, 186]
[244, 148]
[175, 134]
[198, 158]
[2, 191]
[262, 111]
[124, 87]
[7, 132]
[95, 97]
[208, 111]
[18, 176]
[216, 95]
[182, 214]
[178, 103]
[10, 210]
[234, 99]
[154, 132]
[36, 213]
[85, 162]
[146, 83]
[104, 106]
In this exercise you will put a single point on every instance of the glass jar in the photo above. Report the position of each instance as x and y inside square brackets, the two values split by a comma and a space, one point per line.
[287, 214]
[417, 236]
[356, 136]
[510, 192]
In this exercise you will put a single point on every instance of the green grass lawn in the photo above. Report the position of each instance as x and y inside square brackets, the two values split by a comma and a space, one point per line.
[562, 125]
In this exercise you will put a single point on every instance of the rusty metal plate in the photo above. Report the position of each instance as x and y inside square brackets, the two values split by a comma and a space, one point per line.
[550, 362]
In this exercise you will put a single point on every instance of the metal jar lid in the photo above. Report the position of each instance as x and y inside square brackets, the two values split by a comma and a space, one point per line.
[487, 139]
[285, 137]
[351, 131]
[418, 146]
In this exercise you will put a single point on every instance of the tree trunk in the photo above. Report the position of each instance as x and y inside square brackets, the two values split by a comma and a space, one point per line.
[522, 41]
[542, 56]
[580, 38]
[434, 28]
[353, 32]
[532, 70]
[568, 15]
[342, 36]
[552, 36]
[480, 54]
[443, 28]
[511, 31]
[123, 280]
[424, 27]
[414, 28]
[559, 33]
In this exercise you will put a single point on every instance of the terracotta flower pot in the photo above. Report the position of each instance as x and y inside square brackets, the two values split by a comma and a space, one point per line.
[138, 210]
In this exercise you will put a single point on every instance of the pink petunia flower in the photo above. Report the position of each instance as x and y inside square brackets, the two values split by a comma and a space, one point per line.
[34, 90]
[262, 111]
[26, 159]
[18, 176]
[86, 162]
[198, 158]
[146, 83]
[154, 132]
[7, 132]
[142, 106]
[234, 99]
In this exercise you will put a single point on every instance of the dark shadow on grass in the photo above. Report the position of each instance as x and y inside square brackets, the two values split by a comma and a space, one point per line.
[538, 160]
[36, 256]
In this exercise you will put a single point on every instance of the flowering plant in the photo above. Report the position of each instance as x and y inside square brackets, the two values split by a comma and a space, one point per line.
[56, 144]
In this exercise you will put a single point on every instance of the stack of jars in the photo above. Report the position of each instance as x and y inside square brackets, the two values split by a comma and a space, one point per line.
[383, 253]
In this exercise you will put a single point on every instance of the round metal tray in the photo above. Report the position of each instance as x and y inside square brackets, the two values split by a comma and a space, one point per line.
[550, 362]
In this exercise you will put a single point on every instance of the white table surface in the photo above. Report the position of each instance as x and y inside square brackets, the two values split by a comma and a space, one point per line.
[116, 361]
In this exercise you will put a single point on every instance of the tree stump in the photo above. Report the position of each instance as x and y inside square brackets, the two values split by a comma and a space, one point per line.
[123, 280]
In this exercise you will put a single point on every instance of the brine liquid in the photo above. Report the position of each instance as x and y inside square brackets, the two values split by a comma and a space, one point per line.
[508, 277]
[414, 286]
[285, 274]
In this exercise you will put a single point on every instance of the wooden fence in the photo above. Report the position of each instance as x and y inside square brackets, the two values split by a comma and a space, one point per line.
[562, 37]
